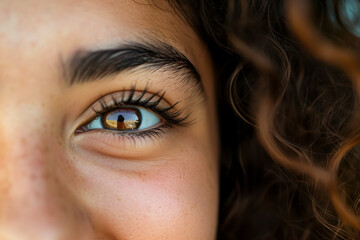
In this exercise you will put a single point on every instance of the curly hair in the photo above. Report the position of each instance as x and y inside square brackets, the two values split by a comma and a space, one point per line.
[288, 85]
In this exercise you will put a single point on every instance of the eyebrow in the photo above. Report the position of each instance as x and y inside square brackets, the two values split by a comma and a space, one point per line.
[86, 66]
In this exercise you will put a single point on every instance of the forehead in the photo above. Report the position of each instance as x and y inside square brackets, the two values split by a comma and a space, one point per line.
[38, 16]
[30, 28]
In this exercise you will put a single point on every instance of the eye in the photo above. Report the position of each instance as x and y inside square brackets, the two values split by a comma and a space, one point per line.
[135, 113]
[125, 119]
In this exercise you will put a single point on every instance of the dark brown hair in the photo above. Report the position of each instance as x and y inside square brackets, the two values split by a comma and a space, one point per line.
[289, 81]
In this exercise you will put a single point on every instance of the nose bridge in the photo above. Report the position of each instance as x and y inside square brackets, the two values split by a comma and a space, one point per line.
[33, 202]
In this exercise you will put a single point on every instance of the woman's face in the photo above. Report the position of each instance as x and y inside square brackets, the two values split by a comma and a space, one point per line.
[108, 126]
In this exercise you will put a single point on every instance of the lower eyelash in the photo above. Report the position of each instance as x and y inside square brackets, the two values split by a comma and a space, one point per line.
[156, 133]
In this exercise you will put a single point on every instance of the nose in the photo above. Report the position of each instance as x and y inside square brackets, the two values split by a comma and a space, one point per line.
[35, 203]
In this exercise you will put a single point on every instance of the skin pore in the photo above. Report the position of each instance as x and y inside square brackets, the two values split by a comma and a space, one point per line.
[60, 178]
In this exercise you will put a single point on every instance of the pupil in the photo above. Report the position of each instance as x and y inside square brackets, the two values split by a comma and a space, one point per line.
[120, 122]
[122, 119]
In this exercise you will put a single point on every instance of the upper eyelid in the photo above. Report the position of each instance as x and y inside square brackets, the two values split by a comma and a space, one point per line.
[88, 110]
[104, 100]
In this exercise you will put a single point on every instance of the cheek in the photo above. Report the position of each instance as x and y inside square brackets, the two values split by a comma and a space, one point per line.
[173, 196]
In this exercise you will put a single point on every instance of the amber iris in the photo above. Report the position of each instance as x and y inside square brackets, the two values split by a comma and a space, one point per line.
[122, 119]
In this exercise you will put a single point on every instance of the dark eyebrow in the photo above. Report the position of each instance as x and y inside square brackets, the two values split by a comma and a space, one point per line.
[88, 66]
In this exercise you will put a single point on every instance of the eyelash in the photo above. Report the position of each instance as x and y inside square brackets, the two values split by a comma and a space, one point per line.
[171, 116]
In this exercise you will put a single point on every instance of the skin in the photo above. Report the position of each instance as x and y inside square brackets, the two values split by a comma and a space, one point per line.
[55, 184]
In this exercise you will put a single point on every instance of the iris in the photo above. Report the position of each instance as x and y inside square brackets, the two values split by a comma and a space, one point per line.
[125, 119]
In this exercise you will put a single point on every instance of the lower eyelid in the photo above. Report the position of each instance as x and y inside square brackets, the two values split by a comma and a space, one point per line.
[107, 144]
[119, 140]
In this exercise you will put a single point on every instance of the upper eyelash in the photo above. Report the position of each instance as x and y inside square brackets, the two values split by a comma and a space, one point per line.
[169, 114]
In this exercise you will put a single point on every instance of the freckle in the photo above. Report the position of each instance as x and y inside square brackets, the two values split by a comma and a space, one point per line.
[23, 140]
[141, 175]
[33, 176]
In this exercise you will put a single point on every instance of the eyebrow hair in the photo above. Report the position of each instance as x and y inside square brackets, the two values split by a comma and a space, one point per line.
[88, 66]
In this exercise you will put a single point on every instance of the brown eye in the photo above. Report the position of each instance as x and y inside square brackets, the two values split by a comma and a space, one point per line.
[122, 119]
